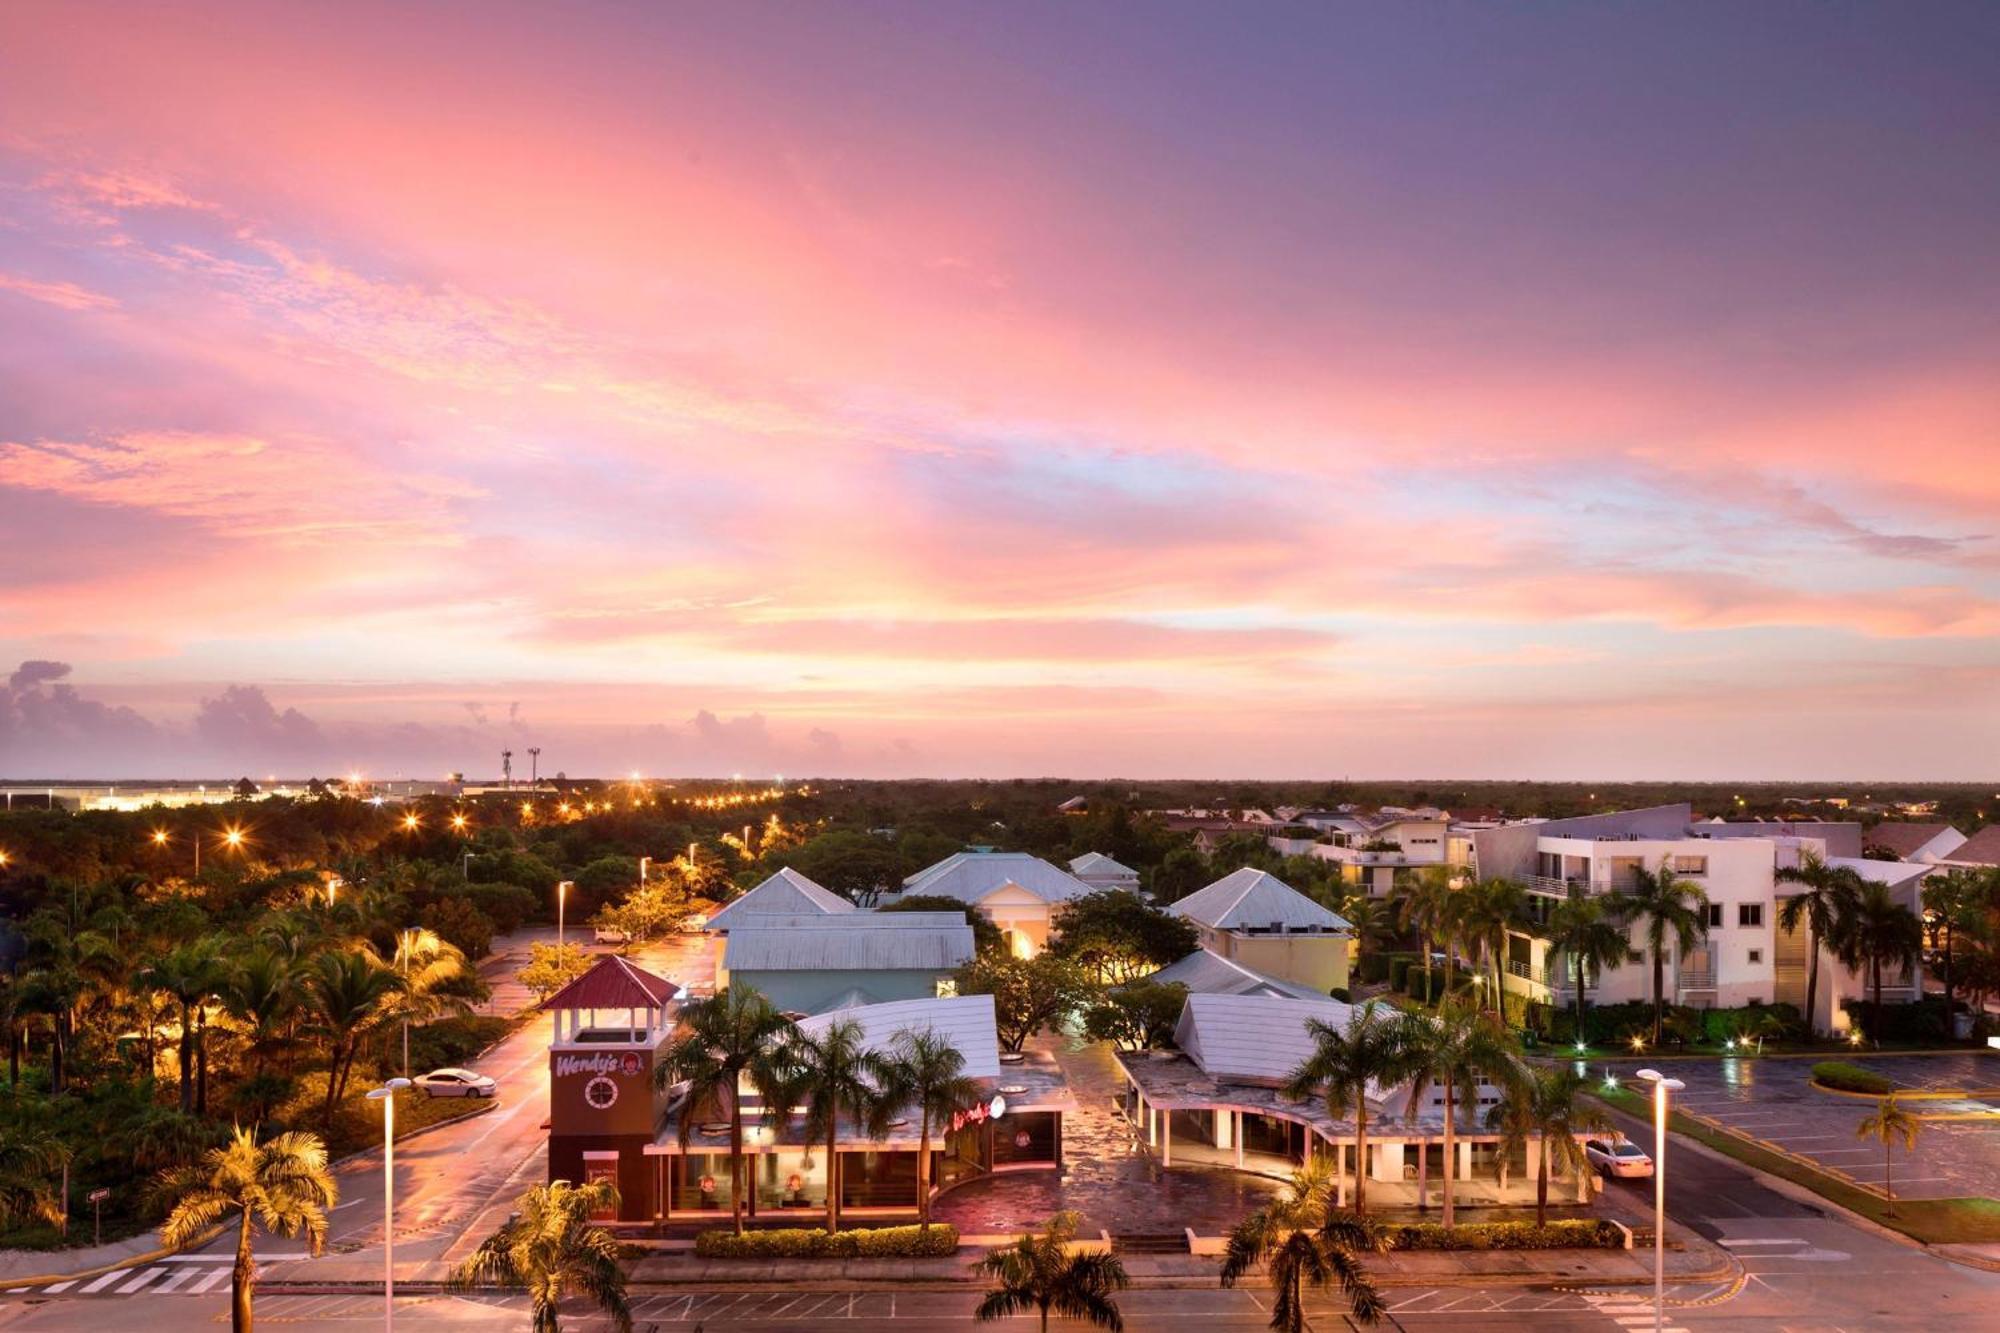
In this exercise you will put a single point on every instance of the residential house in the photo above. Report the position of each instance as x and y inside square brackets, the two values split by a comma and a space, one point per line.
[1914, 842]
[1981, 849]
[811, 963]
[1256, 919]
[1205, 972]
[1101, 872]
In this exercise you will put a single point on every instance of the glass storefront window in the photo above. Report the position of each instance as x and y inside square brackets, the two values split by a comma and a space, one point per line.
[701, 1182]
[1027, 1136]
[791, 1178]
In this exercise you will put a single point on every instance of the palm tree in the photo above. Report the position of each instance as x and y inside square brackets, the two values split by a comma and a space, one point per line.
[1668, 905]
[262, 993]
[352, 992]
[1372, 919]
[1370, 1049]
[1879, 930]
[1303, 1241]
[1586, 933]
[830, 1071]
[1488, 910]
[1889, 1123]
[1040, 1273]
[283, 1185]
[66, 962]
[929, 1076]
[1825, 899]
[552, 1248]
[1427, 903]
[734, 1034]
[1543, 1107]
[1455, 1048]
[189, 974]
[428, 964]
[30, 1151]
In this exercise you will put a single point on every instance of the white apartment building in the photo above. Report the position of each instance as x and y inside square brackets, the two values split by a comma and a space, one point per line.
[1745, 958]
[1373, 849]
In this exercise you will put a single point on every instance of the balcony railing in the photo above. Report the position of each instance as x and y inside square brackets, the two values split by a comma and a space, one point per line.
[1696, 980]
[1529, 972]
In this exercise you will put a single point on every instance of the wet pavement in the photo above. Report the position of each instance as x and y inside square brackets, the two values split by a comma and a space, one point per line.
[1958, 1148]
[1107, 1175]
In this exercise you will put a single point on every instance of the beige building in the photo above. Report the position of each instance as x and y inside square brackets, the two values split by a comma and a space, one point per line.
[1254, 918]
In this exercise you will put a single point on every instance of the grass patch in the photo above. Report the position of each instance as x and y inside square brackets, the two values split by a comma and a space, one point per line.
[1965, 1221]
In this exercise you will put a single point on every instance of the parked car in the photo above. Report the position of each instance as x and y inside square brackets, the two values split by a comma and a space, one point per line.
[612, 935]
[456, 1083]
[1617, 1157]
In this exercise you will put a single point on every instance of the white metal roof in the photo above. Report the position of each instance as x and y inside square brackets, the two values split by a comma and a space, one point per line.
[1251, 898]
[1893, 873]
[1097, 863]
[785, 893]
[858, 942]
[1252, 1037]
[1205, 972]
[972, 876]
[966, 1021]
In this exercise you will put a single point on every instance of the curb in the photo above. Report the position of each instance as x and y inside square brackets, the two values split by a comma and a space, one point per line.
[130, 1261]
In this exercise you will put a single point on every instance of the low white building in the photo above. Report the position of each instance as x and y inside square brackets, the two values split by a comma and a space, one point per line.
[1019, 893]
[1102, 872]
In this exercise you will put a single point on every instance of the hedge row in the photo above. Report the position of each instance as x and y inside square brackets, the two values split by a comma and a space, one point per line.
[814, 1243]
[1926, 1020]
[1851, 1078]
[1567, 1234]
[1608, 1024]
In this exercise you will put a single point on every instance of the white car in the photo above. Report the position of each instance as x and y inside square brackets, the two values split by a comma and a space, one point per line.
[1617, 1157]
[612, 935]
[455, 1083]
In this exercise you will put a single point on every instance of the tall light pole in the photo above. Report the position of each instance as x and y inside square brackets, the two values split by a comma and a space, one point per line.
[386, 1094]
[562, 892]
[1662, 1086]
[644, 861]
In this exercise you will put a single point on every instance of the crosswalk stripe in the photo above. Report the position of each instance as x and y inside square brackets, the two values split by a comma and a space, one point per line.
[140, 1281]
[105, 1281]
[208, 1283]
[175, 1279]
[60, 1287]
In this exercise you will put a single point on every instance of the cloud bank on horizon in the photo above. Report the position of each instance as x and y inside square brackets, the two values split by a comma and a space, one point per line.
[949, 390]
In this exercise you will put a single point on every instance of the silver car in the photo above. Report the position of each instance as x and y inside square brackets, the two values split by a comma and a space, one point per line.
[456, 1083]
[1617, 1157]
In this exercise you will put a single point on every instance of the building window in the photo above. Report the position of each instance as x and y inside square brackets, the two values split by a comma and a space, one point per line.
[1634, 956]
[1689, 865]
[1749, 914]
[1714, 915]
[1756, 957]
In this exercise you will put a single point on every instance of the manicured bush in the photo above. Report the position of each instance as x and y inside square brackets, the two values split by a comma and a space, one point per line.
[1565, 1234]
[1922, 1022]
[1850, 1078]
[814, 1243]
[1341, 993]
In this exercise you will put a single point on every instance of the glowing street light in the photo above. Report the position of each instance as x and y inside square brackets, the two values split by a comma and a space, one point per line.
[1662, 1086]
[159, 837]
[458, 822]
[410, 822]
[386, 1094]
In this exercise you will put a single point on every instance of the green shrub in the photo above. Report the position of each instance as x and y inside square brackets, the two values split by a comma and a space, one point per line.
[1342, 994]
[1925, 1021]
[1567, 1234]
[1372, 968]
[814, 1243]
[1850, 1078]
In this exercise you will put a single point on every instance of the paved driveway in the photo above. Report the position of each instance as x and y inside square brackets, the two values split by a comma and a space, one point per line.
[1957, 1153]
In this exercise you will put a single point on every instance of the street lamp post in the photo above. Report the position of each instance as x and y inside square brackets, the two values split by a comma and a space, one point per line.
[562, 892]
[644, 861]
[1662, 1086]
[386, 1094]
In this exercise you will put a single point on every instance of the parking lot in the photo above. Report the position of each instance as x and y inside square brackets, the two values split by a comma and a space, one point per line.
[1957, 1152]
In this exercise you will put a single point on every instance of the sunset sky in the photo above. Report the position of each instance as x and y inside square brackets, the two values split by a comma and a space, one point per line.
[992, 389]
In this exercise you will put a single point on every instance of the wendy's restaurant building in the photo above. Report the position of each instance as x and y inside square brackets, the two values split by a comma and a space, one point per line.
[670, 1155]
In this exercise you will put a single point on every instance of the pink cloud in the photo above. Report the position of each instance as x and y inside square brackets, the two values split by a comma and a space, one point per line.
[62, 295]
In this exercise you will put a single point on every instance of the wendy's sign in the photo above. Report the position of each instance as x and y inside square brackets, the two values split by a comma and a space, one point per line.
[601, 1092]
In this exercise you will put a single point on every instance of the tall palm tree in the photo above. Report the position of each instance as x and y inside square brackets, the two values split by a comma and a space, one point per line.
[1667, 906]
[1824, 901]
[1489, 909]
[283, 1185]
[1879, 930]
[1427, 903]
[66, 965]
[1040, 1273]
[351, 992]
[929, 1077]
[428, 964]
[1344, 1061]
[831, 1071]
[1372, 919]
[1587, 934]
[1455, 1048]
[262, 993]
[31, 1150]
[1888, 1123]
[1543, 1110]
[189, 974]
[733, 1035]
[1303, 1241]
[552, 1248]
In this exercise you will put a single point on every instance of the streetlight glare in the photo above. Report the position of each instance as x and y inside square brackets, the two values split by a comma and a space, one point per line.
[159, 837]
[458, 822]
[233, 837]
[410, 822]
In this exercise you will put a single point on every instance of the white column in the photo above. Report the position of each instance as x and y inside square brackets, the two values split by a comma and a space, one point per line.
[1237, 1116]
[1166, 1138]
